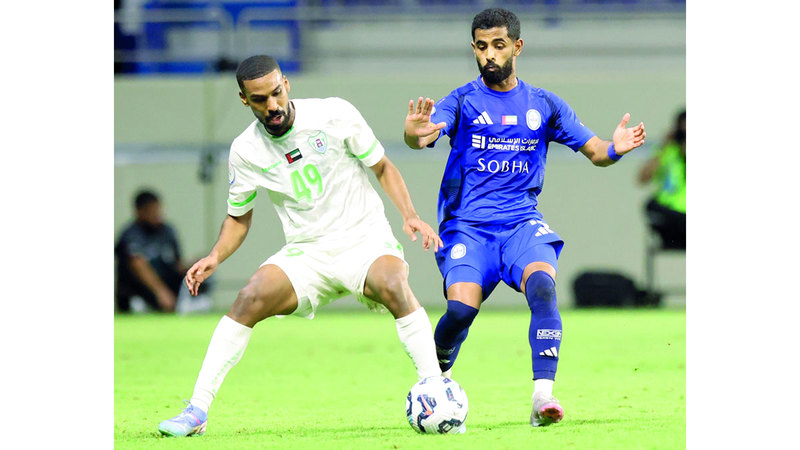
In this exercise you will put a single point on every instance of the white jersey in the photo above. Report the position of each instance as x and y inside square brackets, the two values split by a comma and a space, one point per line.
[316, 174]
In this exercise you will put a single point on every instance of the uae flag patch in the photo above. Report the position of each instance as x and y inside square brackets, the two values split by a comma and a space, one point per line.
[509, 120]
[293, 155]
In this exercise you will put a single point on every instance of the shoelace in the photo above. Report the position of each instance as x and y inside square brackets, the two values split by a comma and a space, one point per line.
[188, 415]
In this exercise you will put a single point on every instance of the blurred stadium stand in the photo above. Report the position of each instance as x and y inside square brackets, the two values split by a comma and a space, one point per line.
[205, 36]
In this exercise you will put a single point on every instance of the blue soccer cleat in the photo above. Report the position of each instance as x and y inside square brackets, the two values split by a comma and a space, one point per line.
[191, 421]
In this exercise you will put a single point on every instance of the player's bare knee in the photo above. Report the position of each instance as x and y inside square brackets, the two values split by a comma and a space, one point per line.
[251, 306]
[394, 286]
[393, 291]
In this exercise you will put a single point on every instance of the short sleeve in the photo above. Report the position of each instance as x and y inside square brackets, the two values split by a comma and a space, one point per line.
[361, 141]
[131, 243]
[445, 111]
[241, 190]
[565, 127]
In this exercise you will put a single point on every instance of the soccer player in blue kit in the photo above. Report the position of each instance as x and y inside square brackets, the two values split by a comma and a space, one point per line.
[499, 129]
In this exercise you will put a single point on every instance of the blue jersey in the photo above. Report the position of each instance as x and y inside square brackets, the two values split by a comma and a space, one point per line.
[499, 146]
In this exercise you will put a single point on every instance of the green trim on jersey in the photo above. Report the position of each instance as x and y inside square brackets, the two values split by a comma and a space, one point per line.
[283, 137]
[248, 200]
[368, 152]
[267, 169]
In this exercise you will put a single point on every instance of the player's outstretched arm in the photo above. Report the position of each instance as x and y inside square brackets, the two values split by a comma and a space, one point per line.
[625, 139]
[231, 236]
[419, 130]
[392, 182]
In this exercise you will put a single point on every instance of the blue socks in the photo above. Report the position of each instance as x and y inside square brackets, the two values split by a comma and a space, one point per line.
[544, 333]
[451, 331]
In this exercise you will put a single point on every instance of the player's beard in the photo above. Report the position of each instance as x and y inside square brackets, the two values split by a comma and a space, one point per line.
[283, 126]
[497, 76]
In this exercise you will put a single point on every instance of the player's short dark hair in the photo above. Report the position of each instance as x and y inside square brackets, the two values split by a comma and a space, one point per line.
[144, 198]
[497, 17]
[255, 67]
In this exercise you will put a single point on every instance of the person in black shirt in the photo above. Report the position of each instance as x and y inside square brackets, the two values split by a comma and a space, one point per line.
[148, 258]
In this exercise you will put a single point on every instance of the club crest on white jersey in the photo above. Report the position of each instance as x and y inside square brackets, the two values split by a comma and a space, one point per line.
[319, 142]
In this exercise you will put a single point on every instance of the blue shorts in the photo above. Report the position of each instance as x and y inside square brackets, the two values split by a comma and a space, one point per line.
[486, 254]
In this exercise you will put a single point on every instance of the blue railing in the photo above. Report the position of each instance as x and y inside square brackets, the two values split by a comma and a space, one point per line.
[195, 36]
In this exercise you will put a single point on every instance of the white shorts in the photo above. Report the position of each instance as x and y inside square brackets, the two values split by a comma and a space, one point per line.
[321, 272]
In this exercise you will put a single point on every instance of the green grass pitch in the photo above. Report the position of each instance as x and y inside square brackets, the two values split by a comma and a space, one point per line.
[340, 381]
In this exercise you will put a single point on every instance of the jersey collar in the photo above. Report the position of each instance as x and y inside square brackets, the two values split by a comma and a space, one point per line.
[272, 138]
[284, 136]
[486, 89]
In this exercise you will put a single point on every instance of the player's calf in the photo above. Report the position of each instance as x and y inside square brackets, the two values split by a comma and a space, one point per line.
[544, 333]
[451, 331]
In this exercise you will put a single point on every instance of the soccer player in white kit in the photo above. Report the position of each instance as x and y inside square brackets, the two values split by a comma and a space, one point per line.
[311, 156]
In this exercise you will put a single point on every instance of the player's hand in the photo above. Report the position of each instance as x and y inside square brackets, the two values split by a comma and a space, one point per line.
[627, 139]
[200, 272]
[429, 237]
[418, 120]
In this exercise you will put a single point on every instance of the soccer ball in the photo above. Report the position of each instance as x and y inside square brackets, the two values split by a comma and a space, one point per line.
[437, 405]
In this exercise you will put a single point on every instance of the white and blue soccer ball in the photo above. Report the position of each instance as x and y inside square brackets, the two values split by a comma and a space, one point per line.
[437, 405]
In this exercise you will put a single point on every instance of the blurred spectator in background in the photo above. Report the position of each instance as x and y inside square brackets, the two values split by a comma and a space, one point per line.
[666, 210]
[149, 267]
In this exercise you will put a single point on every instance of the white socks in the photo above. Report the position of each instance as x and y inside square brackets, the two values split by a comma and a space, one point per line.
[416, 335]
[227, 345]
[230, 339]
[544, 386]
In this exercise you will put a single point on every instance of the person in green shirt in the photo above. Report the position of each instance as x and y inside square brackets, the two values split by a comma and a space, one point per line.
[666, 170]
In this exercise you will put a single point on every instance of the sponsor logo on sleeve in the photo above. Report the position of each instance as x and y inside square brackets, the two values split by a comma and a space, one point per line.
[543, 227]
